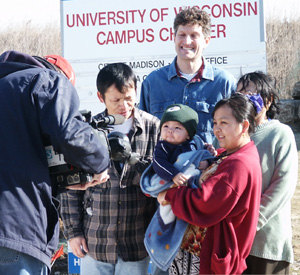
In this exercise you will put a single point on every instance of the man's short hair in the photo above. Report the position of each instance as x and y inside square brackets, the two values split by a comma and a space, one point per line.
[119, 74]
[193, 16]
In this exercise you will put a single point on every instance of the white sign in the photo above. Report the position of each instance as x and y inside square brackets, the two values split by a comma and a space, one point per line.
[140, 33]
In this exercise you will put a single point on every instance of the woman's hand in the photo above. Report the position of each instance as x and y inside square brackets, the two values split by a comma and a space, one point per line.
[203, 165]
[211, 149]
[161, 198]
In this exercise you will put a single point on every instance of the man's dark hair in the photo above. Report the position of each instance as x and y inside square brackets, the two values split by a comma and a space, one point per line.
[193, 16]
[119, 74]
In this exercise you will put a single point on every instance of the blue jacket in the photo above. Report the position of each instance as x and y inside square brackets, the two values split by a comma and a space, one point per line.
[37, 106]
[166, 154]
[165, 232]
[163, 87]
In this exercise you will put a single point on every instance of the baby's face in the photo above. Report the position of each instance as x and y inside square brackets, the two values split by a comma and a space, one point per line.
[174, 132]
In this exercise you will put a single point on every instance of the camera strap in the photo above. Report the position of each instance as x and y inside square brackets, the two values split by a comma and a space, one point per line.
[124, 169]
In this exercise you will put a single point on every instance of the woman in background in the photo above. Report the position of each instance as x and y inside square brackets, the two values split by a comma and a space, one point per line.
[272, 250]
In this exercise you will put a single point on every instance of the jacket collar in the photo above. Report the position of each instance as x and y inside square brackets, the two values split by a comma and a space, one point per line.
[18, 57]
[208, 72]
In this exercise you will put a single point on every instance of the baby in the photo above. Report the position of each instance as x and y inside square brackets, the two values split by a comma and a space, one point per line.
[178, 127]
[178, 158]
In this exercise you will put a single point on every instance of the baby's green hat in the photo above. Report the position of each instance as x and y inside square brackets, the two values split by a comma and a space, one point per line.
[183, 114]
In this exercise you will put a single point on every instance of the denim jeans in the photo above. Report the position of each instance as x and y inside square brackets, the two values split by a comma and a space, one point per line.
[17, 263]
[90, 266]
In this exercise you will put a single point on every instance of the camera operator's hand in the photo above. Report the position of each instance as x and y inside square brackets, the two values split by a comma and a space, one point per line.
[100, 178]
[78, 246]
[97, 179]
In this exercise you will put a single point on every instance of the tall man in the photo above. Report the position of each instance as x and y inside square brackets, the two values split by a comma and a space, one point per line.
[189, 79]
[106, 225]
[38, 106]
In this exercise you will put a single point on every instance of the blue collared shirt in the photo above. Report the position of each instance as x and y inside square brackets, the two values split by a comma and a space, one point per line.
[164, 87]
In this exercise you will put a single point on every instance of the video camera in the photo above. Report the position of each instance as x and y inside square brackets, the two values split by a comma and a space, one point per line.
[118, 145]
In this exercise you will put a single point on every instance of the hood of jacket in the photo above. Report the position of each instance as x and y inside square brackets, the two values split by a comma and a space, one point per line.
[16, 61]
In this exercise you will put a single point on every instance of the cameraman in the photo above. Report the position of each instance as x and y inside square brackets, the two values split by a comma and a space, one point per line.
[38, 105]
[111, 225]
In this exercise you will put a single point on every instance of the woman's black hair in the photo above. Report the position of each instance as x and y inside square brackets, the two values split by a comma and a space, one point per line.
[242, 109]
[266, 87]
[119, 74]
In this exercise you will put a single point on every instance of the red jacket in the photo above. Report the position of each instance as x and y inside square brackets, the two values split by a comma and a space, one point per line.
[228, 204]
